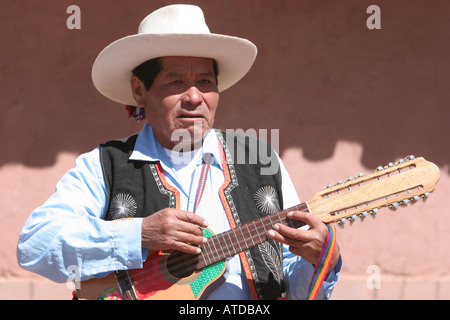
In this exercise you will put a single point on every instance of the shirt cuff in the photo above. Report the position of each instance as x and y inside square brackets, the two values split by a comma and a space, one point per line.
[127, 244]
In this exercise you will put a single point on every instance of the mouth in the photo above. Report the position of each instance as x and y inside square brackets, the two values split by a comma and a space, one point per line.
[191, 116]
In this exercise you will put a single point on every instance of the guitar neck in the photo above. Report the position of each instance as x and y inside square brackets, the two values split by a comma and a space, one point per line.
[244, 237]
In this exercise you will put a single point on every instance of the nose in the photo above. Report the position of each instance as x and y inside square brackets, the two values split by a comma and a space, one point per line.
[192, 96]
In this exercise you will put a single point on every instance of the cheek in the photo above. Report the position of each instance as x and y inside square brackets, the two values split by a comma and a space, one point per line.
[212, 103]
[163, 111]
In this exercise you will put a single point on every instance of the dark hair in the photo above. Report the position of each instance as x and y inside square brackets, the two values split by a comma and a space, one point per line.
[147, 71]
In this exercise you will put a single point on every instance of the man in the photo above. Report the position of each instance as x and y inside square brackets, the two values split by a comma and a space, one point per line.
[177, 175]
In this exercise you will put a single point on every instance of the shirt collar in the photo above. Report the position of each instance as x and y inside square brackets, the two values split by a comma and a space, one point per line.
[147, 147]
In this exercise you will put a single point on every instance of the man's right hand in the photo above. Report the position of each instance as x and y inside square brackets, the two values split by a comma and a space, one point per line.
[173, 229]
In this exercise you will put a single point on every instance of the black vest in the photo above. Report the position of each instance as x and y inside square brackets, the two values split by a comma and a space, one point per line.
[139, 188]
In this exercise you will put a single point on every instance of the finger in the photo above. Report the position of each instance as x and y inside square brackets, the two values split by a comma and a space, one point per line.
[190, 238]
[183, 242]
[191, 218]
[306, 217]
[292, 233]
[187, 228]
[276, 236]
[181, 246]
[287, 238]
[296, 247]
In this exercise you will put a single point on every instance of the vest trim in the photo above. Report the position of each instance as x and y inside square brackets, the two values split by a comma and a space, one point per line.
[165, 187]
[225, 196]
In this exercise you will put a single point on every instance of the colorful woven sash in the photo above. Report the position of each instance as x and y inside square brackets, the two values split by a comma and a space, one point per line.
[323, 265]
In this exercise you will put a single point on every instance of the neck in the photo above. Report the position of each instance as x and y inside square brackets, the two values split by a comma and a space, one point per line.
[181, 145]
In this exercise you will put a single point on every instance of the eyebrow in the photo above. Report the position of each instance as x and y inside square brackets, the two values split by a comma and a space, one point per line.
[182, 74]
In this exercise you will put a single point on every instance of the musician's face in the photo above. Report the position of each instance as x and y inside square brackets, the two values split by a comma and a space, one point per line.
[182, 101]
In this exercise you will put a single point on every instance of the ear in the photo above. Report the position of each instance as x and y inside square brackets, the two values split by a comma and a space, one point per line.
[138, 91]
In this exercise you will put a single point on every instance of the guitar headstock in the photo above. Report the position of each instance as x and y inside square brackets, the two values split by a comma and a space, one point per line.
[394, 185]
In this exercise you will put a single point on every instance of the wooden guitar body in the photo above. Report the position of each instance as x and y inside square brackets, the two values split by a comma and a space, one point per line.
[163, 277]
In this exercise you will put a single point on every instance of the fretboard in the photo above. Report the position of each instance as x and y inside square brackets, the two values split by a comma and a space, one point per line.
[244, 237]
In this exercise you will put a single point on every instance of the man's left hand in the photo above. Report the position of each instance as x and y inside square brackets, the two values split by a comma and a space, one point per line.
[305, 243]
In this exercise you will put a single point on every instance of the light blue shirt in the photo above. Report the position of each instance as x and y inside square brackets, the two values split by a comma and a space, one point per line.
[68, 231]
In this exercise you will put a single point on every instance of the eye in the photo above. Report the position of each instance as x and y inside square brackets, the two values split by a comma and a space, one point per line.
[207, 81]
[176, 82]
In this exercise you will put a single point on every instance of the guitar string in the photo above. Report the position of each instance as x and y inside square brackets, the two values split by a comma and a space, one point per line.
[210, 248]
[161, 282]
[181, 263]
[211, 253]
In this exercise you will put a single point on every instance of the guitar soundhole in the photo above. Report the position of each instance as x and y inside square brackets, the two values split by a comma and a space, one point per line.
[180, 264]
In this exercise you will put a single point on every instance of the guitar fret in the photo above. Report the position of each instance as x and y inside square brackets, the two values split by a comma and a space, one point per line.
[279, 218]
[206, 249]
[270, 221]
[251, 238]
[243, 240]
[238, 242]
[231, 241]
[215, 248]
[256, 228]
[222, 246]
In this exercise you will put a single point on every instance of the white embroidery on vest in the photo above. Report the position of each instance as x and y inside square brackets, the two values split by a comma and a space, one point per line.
[266, 199]
[272, 258]
[123, 206]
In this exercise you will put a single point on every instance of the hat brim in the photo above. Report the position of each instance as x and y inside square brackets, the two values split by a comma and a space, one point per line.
[113, 67]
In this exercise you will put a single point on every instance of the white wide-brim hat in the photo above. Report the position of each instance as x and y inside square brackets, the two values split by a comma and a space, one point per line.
[175, 30]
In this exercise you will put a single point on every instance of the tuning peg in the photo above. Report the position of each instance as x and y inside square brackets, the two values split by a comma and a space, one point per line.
[393, 206]
[341, 223]
[425, 196]
[352, 219]
[363, 215]
[373, 212]
[414, 199]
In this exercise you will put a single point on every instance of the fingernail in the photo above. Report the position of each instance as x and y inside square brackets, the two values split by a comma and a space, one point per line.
[271, 233]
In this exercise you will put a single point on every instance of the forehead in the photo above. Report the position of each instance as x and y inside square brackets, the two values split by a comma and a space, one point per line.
[173, 66]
